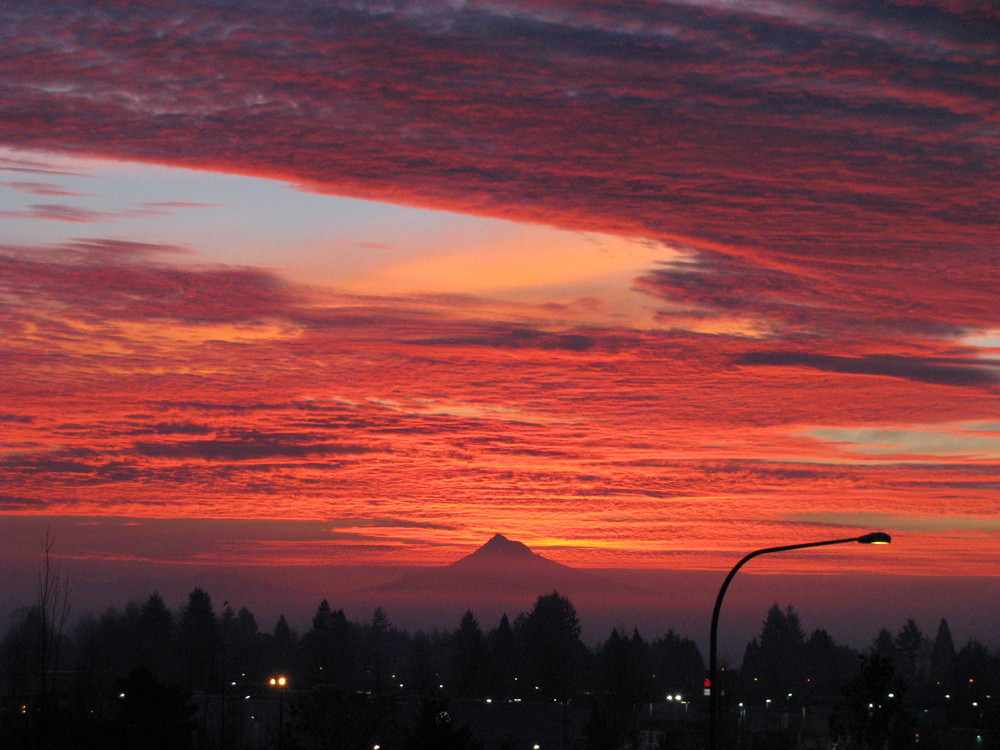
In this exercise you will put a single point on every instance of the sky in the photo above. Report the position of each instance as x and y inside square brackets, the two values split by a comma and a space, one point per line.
[643, 286]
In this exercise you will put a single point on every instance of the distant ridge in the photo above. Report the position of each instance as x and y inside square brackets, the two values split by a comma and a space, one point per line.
[506, 567]
[505, 576]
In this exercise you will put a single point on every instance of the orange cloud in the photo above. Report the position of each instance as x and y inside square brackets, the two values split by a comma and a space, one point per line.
[826, 175]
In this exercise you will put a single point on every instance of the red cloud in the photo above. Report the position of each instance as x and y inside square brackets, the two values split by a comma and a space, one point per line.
[68, 277]
[851, 149]
[831, 169]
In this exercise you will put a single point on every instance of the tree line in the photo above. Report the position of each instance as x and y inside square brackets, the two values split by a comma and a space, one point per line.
[141, 668]
[784, 659]
[148, 648]
[884, 694]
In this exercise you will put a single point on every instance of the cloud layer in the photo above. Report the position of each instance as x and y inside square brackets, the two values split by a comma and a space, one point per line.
[826, 174]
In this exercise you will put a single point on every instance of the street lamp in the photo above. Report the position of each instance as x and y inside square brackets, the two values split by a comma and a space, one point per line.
[280, 682]
[875, 537]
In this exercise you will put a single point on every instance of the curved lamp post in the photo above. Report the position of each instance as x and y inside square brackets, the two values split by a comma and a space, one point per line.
[875, 537]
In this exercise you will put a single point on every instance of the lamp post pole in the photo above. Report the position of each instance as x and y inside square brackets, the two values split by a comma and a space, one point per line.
[875, 537]
[280, 683]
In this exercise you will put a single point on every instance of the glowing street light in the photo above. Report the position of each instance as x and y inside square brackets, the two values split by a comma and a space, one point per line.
[281, 683]
[875, 537]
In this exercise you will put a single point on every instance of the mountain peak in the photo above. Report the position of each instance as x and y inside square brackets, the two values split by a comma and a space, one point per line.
[499, 545]
[501, 569]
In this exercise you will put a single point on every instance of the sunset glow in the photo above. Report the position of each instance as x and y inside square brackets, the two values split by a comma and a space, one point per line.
[642, 287]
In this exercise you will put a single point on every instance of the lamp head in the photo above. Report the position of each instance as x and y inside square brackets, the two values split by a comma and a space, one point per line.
[875, 537]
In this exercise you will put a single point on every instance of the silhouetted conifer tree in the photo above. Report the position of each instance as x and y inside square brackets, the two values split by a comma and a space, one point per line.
[227, 662]
[100, 656]
[283, 648]
[504, 664]
[942, 669]
[773, 662]
[624, 668]
[426, 663]
[884, 645]
[827, 667]
[677, 664]
[244, 657]
[910, 647]
[155, 636]
[379, 630]
[198, 641]
[323, 619]
[468, 658]
[624, 681]
[317, 646]
[344, 640]
[554, 654]
[977, 669]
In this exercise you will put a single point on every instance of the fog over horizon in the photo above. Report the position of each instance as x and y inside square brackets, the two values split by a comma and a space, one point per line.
[419, 598]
